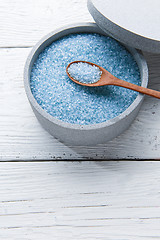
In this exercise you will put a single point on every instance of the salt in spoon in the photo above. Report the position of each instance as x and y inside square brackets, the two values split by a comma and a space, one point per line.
[107, 78]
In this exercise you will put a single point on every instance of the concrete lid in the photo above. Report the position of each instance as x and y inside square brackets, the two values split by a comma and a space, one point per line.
[132, 22]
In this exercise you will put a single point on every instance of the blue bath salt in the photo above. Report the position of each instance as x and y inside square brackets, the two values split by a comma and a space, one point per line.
[67, 101]
[84, 72]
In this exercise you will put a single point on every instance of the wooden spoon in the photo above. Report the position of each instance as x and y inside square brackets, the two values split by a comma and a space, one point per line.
[108, 79]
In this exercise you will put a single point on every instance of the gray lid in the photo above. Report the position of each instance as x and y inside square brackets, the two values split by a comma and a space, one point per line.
[133, 22]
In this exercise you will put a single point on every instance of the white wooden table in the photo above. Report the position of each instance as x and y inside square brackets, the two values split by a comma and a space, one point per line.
[45, 199]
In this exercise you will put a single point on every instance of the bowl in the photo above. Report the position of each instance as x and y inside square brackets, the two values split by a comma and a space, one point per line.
[76, 134]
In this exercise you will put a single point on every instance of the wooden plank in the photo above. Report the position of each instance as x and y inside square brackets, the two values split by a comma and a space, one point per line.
[23, 22]
[22, 137]
[80, 200]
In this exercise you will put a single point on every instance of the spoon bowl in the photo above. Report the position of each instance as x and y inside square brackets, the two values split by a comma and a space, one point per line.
[107, 78]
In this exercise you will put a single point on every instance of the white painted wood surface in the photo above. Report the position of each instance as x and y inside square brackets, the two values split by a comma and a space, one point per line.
[23, 23]
[70, 200]
[87, 200]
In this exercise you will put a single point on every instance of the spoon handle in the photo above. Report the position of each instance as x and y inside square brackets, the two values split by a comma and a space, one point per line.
[147, 91]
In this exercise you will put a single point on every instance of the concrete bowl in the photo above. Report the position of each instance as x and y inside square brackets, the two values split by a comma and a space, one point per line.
[74, 134]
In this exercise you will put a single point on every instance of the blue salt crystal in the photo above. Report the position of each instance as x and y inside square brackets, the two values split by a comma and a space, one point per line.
[72, 103]
[84, 72]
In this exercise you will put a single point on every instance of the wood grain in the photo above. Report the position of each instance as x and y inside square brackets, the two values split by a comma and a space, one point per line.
[79, 200]
[23, 22]
[70, 200]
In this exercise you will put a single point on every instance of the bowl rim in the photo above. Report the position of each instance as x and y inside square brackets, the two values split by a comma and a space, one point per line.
[64, 31]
